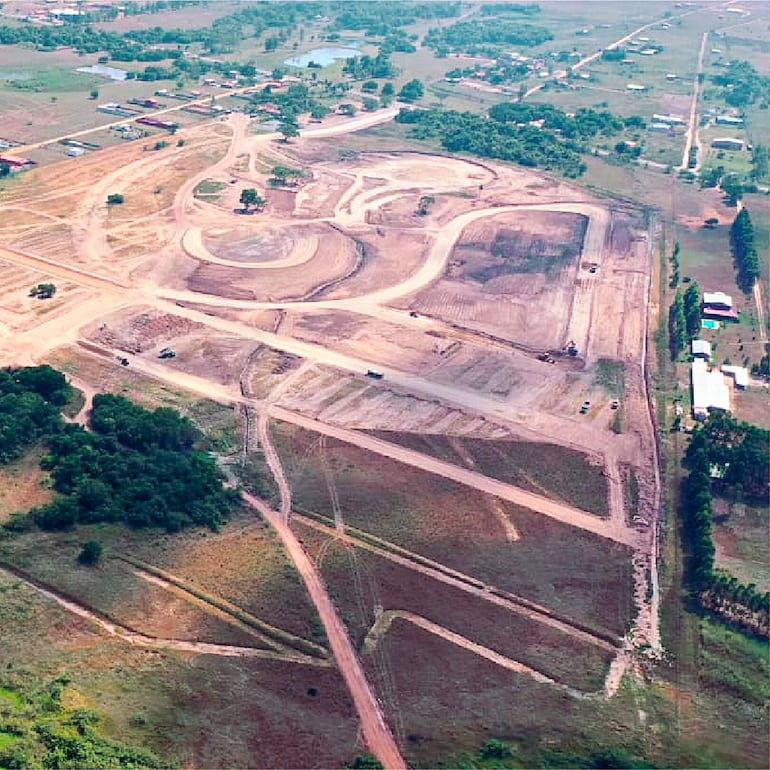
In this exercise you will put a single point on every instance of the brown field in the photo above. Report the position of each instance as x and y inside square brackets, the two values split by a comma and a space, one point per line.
[549, 470]
[553, 564]
[23, 485]
[741, 534]
[358, 581]
[203, 710]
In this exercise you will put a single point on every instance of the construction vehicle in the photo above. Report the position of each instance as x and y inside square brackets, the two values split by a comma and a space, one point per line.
[122, 361]
[167, 353]
[375, 375]
[547, 358]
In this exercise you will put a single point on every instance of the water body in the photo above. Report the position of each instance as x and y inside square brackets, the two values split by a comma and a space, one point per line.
[322, 56]
[106, 72]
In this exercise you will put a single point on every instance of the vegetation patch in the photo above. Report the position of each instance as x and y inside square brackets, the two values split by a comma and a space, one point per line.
[610, 376]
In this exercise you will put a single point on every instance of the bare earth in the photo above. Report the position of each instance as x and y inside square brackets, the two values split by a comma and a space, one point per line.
[282, 313]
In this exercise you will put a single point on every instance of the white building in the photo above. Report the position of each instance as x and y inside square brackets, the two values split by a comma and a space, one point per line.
[709, 390]
[729, 120]
[739, 373]
[701, 349]
[717, 299]
[728, 143]
[635, 87]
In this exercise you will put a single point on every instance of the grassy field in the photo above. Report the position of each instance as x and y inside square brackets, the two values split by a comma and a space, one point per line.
[193, 710]
[359, 581]
[553, 471]
[574, 572]
[742, 532]
[23, 485]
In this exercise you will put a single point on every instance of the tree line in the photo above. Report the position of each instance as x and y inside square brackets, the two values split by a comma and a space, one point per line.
[139, 467]
[684, 318]
[736, 455]
[486, 138]
[744, 250]
[485, 36]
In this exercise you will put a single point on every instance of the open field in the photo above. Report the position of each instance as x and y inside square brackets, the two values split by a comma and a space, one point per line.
[201, 709]
[741, 534]
[492, 333]
[502, 544]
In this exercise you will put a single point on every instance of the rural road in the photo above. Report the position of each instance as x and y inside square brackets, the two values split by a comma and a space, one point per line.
[609, 528]
[142, 640]
[377, 735]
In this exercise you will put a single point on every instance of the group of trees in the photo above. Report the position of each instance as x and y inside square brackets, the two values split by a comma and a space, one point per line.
[742, 84]
[366, 67]
[583, 124]
[30, 406]
[42, 731]
[485, 36]
[386, 16]
[674, 282]
[479, 135]
[744, 250]
[684, 319]
[736, 454]
[250, 197]
[138, 467]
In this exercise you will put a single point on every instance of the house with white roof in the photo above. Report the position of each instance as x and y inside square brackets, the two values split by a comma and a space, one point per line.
[739, 373]
[709, 390]
[701, 349]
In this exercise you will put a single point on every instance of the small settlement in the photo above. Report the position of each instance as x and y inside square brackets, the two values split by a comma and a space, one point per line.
[711, 386]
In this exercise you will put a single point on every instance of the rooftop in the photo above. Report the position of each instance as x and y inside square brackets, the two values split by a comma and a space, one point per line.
[709, 390]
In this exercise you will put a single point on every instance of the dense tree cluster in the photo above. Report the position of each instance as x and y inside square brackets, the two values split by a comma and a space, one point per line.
[30, 406]
[381, 18]
[744, 250]
[366, 67]
[760, 163]
[40, 731]
[476, 134]
[584, 123]
[136, 467]
[485, 36]
[742, 84]
[500, 9]
[736, 454]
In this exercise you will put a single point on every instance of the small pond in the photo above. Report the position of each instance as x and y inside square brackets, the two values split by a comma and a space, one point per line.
[322, 56]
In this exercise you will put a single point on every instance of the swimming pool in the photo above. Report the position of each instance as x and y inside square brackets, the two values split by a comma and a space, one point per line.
[709, 324]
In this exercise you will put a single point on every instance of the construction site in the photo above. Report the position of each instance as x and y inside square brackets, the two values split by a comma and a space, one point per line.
[437, 364]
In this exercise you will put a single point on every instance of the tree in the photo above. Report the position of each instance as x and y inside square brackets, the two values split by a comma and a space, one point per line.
[388, 90]
[250, 197]
[348, 109]
[90, 553]
[43, 291]
[692, 309]
[288, 129]
[711, 223]
[426, 201]
[369, 87]
[115, 199]
[94, 94]
[677, 326]
[5, 169]
[370, 105]
[411, 91]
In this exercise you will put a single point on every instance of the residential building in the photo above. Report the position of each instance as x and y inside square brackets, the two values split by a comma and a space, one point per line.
[709, 390]
[701, 349]
[728, 143]
[718, 300]
[739, 373]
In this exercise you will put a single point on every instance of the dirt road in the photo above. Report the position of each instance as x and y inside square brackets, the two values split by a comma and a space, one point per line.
[385, 620]
[141, 640]
[377, 735]
[691, 135]
[608, 528]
